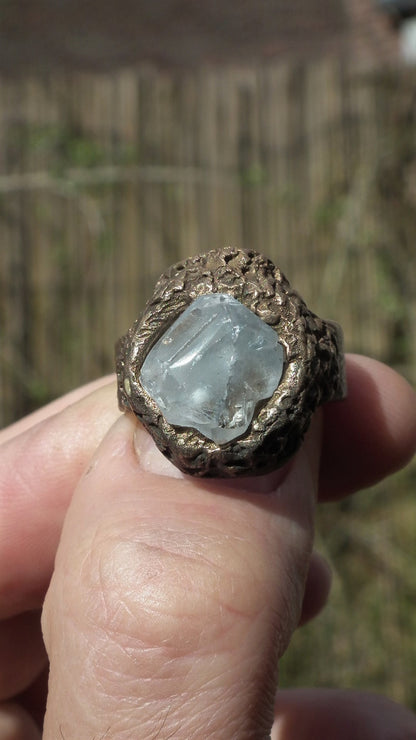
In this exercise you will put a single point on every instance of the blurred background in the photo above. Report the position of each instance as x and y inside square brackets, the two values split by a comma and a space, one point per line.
[134, 134]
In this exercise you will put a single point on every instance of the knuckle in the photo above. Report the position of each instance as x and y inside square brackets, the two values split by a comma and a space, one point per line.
[159, 587]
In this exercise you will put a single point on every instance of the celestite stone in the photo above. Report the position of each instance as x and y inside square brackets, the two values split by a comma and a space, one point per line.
[212, 366]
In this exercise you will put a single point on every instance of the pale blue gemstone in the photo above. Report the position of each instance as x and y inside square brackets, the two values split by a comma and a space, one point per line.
[212, 366]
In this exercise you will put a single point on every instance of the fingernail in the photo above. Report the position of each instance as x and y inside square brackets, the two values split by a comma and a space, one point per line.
[151, 460]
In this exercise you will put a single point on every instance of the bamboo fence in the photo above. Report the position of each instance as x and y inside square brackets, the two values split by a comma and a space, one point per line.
[106, 180]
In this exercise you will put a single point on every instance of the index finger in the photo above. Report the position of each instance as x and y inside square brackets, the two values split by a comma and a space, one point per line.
[371, 434]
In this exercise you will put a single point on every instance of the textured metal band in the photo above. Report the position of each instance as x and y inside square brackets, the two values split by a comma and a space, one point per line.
[314, 371]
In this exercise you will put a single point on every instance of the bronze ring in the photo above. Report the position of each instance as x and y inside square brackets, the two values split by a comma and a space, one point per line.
[313, 370]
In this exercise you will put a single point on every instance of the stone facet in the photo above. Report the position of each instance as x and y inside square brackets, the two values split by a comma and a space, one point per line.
[212, 366]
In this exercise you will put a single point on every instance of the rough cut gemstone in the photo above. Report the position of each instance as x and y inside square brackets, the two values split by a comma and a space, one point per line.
[212, 366]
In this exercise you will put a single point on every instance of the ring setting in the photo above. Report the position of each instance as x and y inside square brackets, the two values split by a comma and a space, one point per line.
[226, 365]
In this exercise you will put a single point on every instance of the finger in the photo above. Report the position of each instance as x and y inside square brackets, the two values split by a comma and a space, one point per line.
[317, 588]
[33, 699]
[16, 724]
[39, 470]
[172, 598]
[369, 435]
[55, 407]
[22, 653]
[308, 714]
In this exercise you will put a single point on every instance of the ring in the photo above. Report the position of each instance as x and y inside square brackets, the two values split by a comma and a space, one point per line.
[226, 365]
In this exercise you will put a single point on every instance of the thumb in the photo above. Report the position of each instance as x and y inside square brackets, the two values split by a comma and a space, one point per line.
[173, 598]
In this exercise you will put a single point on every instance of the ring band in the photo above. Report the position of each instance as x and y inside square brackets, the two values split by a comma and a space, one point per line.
[219, 331]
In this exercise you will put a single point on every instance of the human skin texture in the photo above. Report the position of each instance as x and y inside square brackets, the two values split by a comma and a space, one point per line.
[167, 601]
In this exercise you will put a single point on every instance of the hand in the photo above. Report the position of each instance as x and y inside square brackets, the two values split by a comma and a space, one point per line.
[172, 599]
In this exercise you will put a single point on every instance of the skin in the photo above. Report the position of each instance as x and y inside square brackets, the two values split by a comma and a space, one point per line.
[167, 601]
